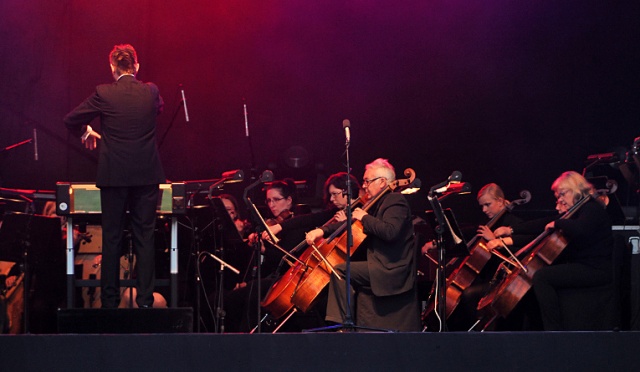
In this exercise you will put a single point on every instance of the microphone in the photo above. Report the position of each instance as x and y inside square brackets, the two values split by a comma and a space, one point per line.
[347, 132]
[456, 176]
[184, 103]
[224, 264]
[246, 121]
[35, 144]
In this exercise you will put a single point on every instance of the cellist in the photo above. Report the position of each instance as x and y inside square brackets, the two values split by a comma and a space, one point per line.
[586, 260]
[390, 266]
[492, 200]
[241, 303]
[335, 200]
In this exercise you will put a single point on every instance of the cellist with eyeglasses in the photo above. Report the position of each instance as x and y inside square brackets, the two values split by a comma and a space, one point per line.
[585, 262]
[390, 267]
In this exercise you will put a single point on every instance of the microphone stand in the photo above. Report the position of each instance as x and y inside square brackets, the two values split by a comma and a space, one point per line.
[11, 147]
[256, 273]
[441, 276]
[348, 324]
[173, 118]
[220, 312]
[218, 226]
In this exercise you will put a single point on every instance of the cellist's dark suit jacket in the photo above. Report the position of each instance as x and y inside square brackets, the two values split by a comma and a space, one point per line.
[391, 257]
[129, 171]
[390, 246]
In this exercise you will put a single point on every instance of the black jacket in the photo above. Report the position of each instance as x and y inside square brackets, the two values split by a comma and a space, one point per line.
[389, 244]
[128, 152]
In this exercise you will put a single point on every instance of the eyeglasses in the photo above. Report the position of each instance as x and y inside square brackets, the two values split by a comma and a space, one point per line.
[561, 194]
[272, 200]
[366, 182]
[337, 193]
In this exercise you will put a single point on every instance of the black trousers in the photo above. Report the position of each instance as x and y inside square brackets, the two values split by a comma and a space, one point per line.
[337, 301]
[141, 202]
[550, 279]
[398, 312]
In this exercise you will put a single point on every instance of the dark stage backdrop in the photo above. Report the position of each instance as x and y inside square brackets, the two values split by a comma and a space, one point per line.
[509, 91]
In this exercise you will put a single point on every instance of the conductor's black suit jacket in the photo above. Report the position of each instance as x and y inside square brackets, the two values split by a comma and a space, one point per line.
[128, 153]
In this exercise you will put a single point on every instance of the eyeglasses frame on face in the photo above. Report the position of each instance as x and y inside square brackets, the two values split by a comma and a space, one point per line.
[337, 193]
[366, 182]
[274, 200]
[561, 194]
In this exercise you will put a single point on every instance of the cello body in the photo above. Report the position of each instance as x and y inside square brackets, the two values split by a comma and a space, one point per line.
[542, 251]
[301, 276]
[301, 285]
[465, 270]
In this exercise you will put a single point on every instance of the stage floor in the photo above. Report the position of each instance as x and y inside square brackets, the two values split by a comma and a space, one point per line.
[495, 351]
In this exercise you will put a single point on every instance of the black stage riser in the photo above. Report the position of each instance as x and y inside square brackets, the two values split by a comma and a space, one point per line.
[174, 320]
[541, 351]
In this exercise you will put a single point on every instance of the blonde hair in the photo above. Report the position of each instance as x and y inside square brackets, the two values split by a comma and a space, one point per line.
[491, 189]
[575, 182]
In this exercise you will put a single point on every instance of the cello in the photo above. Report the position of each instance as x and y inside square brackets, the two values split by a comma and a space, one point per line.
[299, 288]
[466, 269]
[542, 251]
[335, 251]
[278, 300]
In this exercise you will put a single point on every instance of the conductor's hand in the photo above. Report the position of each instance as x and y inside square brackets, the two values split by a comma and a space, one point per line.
[89, 138]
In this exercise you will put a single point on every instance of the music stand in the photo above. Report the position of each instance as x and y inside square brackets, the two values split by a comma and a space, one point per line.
[454, 246]
[449, 243]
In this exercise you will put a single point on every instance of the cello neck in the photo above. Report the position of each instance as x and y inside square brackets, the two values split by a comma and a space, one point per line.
[495, 218]
[392, 185]
[529, 247]
[576, 207]
[489, 224]
[375, 199]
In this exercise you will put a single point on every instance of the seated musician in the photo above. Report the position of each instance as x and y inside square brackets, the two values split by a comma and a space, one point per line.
[492, 200]
[390, 267]
[7, 281]
[586, 260]
[335, 200]
[231, 205]
[241, 303]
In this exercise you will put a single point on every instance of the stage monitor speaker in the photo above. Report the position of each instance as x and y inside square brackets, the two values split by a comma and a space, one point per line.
[166, 320]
